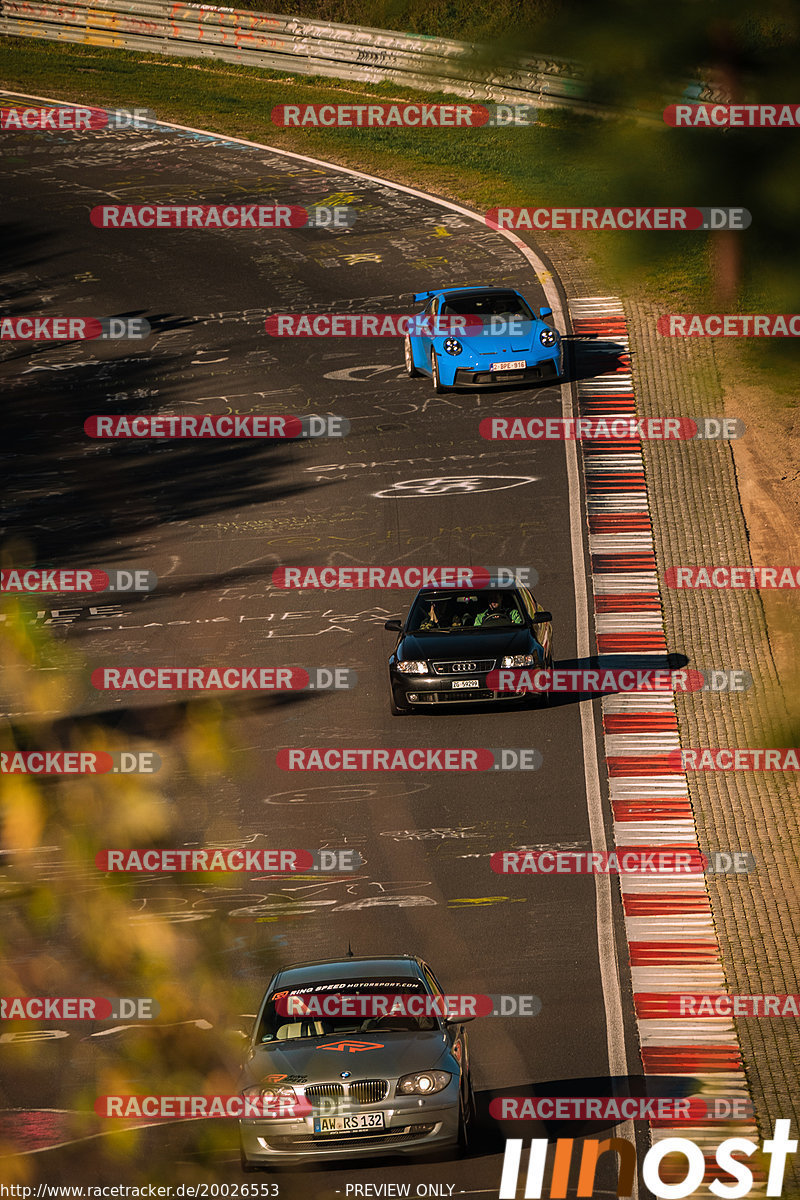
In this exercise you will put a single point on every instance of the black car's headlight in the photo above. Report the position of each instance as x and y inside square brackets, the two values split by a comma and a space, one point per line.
[423, 1083]
[412, 667]
[548, 337]
[519, 660]
[453, 346]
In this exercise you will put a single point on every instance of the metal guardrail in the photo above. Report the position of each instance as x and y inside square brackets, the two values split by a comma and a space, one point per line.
[297, 46]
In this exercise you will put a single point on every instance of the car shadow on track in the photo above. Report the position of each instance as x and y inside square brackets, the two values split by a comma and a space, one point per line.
[589, 357]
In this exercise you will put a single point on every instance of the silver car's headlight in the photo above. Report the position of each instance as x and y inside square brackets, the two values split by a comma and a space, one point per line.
[423, 1083]
[266, 1101]
[453, 346]
[519, 660]
[266, 1091]
[412, 667]
[548, 337]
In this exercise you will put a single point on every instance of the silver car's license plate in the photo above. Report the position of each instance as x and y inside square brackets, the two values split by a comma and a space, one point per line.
[517, 365]
[466, 683]
[369, 1120]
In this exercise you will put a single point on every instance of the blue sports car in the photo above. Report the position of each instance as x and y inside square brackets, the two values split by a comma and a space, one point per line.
[481, 337]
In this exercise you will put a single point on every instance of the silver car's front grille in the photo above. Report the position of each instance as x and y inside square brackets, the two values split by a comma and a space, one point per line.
[324, 1091]
[466, 666]
[369, 1091]
[361, 1091]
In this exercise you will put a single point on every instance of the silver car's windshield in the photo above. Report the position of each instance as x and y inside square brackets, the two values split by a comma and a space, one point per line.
[319, 1010]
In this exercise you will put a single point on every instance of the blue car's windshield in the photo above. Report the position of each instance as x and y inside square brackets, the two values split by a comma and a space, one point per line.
[503, 304]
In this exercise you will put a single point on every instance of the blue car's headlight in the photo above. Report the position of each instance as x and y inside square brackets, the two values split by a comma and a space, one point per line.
[412, 667]
[423, 1083]
[453, 346]
[548, 337]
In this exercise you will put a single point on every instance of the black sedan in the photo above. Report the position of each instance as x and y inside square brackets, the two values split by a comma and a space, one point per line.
[452, 639]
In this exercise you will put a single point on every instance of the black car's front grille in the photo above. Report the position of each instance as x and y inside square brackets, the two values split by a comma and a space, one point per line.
[389, 1136]
[465, 666]
[455, 697]
[369, 1091]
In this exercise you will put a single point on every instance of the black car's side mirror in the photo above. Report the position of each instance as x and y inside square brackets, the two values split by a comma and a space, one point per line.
[394, 626]
[541, 617]
[460, 1020]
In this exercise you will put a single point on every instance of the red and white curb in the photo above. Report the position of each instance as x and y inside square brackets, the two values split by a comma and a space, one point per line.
[672, 941]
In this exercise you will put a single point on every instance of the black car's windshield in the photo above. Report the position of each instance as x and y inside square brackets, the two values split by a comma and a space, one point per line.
[317, 1010]
[463, 612]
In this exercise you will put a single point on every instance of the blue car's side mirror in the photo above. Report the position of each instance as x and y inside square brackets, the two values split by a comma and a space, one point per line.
[545, 312]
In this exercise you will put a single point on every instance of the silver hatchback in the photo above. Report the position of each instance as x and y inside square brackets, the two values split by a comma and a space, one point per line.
[355, 1057]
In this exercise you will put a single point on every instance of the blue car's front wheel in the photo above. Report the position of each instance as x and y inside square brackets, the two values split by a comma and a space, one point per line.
[411, 370]
[438, 387]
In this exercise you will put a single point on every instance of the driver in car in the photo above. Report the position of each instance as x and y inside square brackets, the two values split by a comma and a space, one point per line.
[431, 620]
[495, 612]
